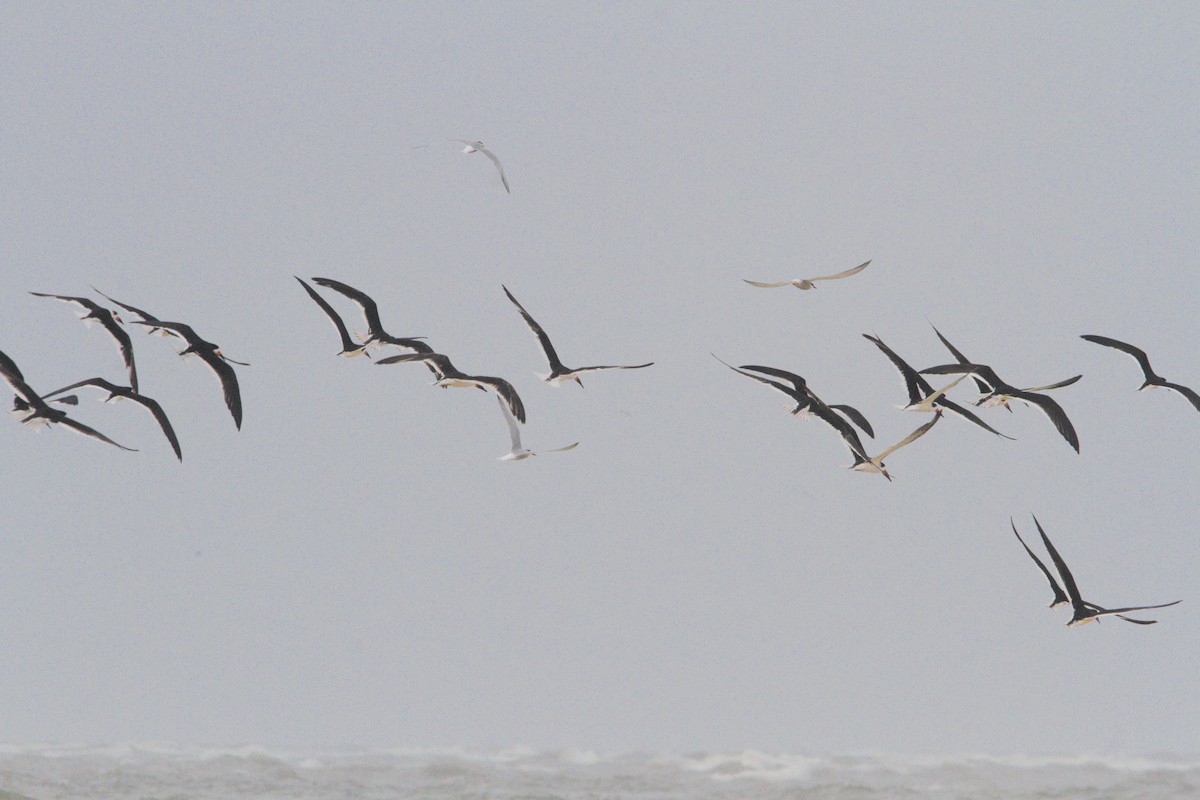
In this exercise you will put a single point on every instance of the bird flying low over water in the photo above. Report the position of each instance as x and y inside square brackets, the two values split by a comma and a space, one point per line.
[921, 395]
[517, 451]
[1060, 597]
[808, 283]
[1153, 380]
[36, 411]
[376, 336]
[211, 355]
[992, 399]
[558, 371]
[1085, 612]
[110, 320]
[350, 348]
[1048, 406]
[116, 392]
[447, 375]
[866, 463]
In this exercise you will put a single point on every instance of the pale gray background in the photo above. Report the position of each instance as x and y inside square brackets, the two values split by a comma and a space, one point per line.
[355, 568]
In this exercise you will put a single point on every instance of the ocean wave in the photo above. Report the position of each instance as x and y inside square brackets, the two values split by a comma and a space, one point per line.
[138, 770]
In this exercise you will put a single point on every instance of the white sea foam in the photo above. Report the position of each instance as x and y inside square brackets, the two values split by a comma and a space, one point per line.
[138, 770]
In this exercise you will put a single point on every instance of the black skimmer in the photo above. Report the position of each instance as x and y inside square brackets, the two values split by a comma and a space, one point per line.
[1153, 380]
[796, 391]
[10, 370]
[810, 405]
[376, 335]
[116, 392]
[37, 411]
[211, 355]
[144, 316]
[800, 393]
[558, 371]
[1060, 597]
[997, 399]
[1048, 406]
[110, 320]
[801, 386]
[960, 358]
[808, 283]
[477, 147]
[1085, 612]
[517, 451]
[870, 464]
[447, 375]
[350, 348]
[922, 396]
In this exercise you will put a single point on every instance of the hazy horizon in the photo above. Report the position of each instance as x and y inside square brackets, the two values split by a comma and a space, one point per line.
[354, 568]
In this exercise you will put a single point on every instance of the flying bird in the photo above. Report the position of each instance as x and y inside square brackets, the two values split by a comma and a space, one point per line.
[116, 392]
[39, 411]
[477, 147]
[1048, 406]
[447, 375]
[808, 283]
[1153, 380]
[1060, 597]
[350, 348]
[558, 371]
[110, 320]
[921, 395]
[865, 463]
[517, 451]
[211, 355]
[1084, 612]
[803, 396]
[811, 405]
[376, 336]
[997, 399]
[145, 316]
[796, 391]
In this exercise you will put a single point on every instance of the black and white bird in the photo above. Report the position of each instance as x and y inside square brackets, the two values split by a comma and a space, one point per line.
[211, 355]
[1084, 612]
[144, 316]
[1060, 597]
[109, 320]
[558, 371]
[812, 406]
[1047, 405]
[809, 283]
[477, 147]
[33, 411]
[874, 464]
[1152, 379]
[517, 451]
[997, 399]
[447, 375]
[376, 336]
[350, 348]
[116, 392]
[921, 395]
[801, 394]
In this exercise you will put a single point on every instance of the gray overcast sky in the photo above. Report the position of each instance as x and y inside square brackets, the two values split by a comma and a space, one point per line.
[355, 568]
